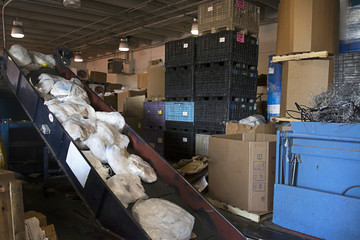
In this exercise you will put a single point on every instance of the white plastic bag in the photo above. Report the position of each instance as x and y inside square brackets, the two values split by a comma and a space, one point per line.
[100, 169]
[141, 168]
[127, 188]
[162, 219]
[78, 127]
[97, 147]
[65, 89]
[20, 55]
[113, 118]
[117, 160]
[42, 60]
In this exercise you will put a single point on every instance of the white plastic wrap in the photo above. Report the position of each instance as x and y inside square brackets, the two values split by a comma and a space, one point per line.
[20, 55]
[97, 147]
[113, 118]
[117, 160]
[80, 106]
[65, 89]
[57, 109]
[42, 60]
[121, 140]
[127, 187]
[102, 171]
[45, 84]
[78, 127]
[141, 168]
[162, 219]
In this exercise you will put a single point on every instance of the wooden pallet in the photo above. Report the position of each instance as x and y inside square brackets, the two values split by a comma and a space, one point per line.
[227, 28]
[300, 56]
[253, 216]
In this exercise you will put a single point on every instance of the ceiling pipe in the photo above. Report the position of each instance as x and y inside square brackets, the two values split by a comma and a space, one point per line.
[3, 21]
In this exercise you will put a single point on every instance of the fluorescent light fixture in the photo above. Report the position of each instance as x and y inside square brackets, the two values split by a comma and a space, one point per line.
[17, 30]
[78, 57]
[72, 3]
[124, 46]
[195, 27]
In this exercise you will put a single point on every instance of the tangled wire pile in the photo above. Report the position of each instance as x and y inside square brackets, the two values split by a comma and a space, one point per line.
[341, 105]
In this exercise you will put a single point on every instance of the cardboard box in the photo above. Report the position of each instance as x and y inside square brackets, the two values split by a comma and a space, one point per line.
[237, 128]
[121, 96]
[301, 80]
[50, 232]
[113, 86]
[308, 25]
[242, 170]
[142, 80]
[41, 217]
[156, 82]
[111, 100]
[99, 77]
[136, 123]
[134, 106]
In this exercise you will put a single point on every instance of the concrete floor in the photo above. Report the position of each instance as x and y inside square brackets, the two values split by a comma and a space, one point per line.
[59, 202]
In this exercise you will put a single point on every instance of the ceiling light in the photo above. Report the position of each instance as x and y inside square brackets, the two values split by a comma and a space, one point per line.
[17, 30]
[78, 57]
[195, 27]
[72, 3]
[124, 46]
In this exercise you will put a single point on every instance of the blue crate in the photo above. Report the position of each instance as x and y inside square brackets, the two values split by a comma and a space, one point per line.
[325, 191]
[179, 111]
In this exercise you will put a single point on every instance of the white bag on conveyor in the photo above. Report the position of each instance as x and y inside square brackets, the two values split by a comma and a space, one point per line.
[20, 55]
[64, 89]
[162, 219]
[113, 118]
[127, 188]
[56, 107]
[78, 127]
[100, 169]
[97, 147]
[42, 60]
[80, 106]
[141, 168]
[117, 159]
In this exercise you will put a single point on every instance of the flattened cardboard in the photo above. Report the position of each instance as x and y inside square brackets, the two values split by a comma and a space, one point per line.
[142, 80]
[301, 80]
[155, 82]
[121, 96]
[242, 170]
[237, 128]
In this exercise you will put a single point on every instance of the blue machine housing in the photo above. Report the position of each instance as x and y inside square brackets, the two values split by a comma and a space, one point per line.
[322, 196]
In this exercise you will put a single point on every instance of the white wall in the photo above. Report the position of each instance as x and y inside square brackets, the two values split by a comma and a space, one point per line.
[138, 62]
[267, 45]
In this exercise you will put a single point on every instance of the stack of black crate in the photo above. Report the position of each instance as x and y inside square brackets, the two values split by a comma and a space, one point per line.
[179, 92]
[225, 80]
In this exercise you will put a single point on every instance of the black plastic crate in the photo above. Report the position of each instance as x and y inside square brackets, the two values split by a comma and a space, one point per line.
[179, 144]
[180, 52]
[219, 110]
[227, 46]
[225, 79]
[179, 83]
[209, 129]
[154, 114]
[177, 125]
[155, 138]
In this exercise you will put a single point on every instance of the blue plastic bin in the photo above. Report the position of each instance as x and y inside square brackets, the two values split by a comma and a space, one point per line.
[324, 198]
[179, 111]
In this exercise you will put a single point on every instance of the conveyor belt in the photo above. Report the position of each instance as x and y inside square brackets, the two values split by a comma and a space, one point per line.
[104, 205]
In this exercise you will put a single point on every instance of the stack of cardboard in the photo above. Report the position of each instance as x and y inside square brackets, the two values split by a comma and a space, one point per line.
[49, 230]
[306, 26]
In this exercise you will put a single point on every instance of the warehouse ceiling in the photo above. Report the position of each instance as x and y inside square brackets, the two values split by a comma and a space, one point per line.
[96, 27]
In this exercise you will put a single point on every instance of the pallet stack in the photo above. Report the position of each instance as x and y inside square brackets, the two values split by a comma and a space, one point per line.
[179, 93]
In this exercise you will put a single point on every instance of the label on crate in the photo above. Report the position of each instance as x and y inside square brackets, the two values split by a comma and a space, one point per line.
[184, 139]
[241, 4]
[159, 112]
[160, 140]
[185, 113]
[222, 39]
[186, 45]
[152, 144]
[210, 9]
[240, 37]
[271, 70]
[274, 109]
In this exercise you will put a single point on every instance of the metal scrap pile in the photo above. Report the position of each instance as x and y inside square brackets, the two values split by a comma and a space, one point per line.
[341, 105]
